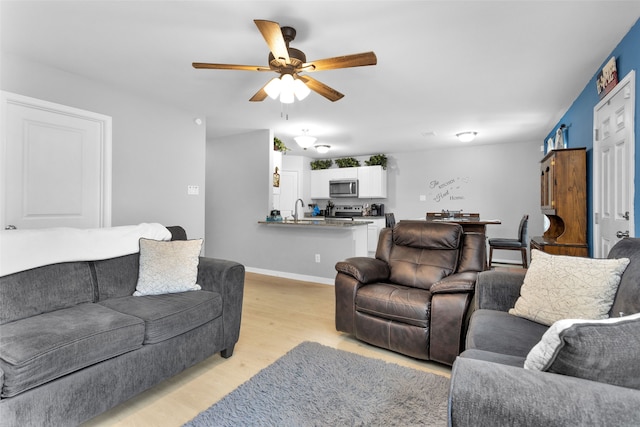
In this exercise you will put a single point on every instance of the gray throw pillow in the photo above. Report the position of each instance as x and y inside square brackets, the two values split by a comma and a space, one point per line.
[168, 267]
[599, 350]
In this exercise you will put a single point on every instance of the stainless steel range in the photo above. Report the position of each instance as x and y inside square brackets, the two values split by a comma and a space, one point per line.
[348, 211]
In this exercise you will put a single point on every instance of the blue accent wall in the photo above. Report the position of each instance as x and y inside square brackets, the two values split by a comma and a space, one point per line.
[579, 118]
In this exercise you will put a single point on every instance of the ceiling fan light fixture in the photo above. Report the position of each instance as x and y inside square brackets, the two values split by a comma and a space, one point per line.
[300, 89]
[273, 88]
[466, 136]
[322, 149]
[286, 89]
[305, 141]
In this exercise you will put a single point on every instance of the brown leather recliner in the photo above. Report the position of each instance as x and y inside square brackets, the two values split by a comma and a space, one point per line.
[413, 297]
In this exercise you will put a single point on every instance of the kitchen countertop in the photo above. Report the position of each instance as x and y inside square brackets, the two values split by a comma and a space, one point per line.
[307, 222]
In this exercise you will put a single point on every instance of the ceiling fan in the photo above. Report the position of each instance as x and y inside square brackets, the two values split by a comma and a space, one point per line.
[289, 62]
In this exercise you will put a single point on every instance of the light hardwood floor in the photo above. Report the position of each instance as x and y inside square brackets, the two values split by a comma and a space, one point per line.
[277, 315]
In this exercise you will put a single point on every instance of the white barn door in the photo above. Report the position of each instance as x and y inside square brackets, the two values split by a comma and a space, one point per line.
[56, 165]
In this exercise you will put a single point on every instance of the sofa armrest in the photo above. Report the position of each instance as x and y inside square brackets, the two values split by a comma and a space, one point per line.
[490, 394]
[364, 270]
[498, 290]
[226, 278]
[455, 283]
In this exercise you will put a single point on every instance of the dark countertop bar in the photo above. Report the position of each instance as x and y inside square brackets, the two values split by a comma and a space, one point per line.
[316, 223]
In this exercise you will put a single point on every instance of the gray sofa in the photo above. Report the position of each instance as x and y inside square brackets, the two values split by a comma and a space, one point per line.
[490, 387]
[74, 342]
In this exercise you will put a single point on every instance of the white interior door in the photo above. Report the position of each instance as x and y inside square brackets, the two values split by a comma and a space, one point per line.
[56, 165]
[614, 166]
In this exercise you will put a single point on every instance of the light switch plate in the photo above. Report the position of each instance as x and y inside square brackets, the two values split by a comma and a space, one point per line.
[193, 190]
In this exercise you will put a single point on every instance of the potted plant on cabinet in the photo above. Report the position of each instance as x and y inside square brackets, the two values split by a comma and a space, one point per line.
[347, 162]
[321, 164]
[377, 160]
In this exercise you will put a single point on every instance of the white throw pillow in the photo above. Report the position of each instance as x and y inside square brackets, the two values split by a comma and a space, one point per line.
[564, 287]
[168, 267]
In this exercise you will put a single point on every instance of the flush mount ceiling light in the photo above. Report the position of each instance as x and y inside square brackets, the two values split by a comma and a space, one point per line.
[322, 149]
[305, 141]
[466, 136]
[286, 87]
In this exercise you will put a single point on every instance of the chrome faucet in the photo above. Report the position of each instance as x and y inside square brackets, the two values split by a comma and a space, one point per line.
[295, 215]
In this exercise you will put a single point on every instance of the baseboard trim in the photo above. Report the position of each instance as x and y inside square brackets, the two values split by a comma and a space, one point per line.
[294, 276]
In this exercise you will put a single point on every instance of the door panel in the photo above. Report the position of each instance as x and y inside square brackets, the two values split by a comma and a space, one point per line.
[56, 166]
[613, 166]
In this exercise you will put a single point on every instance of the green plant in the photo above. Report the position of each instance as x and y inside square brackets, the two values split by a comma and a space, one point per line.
[377, 160]
[347, 162]
[278, 145]
[321, 164]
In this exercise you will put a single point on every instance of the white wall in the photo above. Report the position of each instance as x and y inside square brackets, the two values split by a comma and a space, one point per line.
[157, 149]
[498, 181]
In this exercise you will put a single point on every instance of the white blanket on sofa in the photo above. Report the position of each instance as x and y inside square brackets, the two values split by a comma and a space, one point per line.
[25, 249]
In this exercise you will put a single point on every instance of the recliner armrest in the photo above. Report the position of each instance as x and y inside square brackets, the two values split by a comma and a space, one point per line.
[490, 394]
[455, 283]
[498, 290]
[364, 270]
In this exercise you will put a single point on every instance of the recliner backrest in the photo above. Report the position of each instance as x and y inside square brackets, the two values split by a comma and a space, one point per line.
[420, 253]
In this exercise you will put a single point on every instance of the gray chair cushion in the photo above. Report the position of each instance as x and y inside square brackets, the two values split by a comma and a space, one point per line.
[168, 315]
[489, 356]
[501, 332]
[41, 348]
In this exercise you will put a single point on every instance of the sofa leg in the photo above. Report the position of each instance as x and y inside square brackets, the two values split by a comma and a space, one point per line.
[227, 352]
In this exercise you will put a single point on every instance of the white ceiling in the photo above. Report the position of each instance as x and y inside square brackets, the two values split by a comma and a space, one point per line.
[506, 69]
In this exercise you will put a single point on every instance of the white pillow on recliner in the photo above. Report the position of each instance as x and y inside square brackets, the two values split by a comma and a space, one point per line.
[565, 287]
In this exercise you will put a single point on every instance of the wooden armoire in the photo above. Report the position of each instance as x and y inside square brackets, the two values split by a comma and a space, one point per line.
[563, 199]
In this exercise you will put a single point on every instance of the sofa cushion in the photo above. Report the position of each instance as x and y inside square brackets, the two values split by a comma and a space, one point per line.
[394, 302]
[117, 277]
[598, 350]
[168, 315]
[167, 267]
[500, 332]
[28, 293]
[41, 348]
[565, 287]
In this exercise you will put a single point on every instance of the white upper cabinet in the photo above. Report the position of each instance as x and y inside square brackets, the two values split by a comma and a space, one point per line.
[372, 182]
[320, 183]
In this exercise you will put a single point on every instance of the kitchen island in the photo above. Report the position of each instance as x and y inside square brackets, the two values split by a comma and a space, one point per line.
[310, 248]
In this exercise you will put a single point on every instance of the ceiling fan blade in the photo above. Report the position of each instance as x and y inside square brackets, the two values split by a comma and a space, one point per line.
[347, 61]
[272, 34]
[260, 95]
[321, 88]
[230, 67]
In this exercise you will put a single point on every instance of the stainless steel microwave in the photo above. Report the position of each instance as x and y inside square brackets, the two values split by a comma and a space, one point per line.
[343, 188]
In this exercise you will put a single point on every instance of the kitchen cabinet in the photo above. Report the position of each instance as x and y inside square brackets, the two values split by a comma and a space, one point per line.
[319, 183]
[563, 199]
[372, 182]
[373, 232]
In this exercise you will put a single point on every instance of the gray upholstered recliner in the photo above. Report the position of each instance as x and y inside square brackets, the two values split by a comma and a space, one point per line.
[413, 297]
[490, 387]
